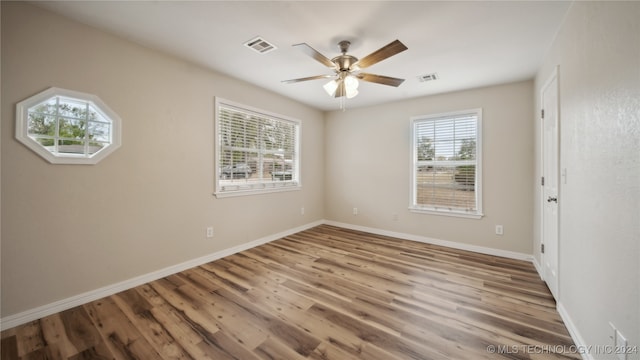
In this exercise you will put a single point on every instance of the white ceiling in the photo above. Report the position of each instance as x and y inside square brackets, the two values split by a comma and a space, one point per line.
[468, 44]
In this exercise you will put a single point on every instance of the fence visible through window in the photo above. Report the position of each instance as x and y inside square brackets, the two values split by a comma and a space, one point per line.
[446, 162]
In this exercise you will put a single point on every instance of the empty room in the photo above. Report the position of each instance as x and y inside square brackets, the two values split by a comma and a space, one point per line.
[377, 180]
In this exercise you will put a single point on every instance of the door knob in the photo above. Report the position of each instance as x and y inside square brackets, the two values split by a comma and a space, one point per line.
[554, 199]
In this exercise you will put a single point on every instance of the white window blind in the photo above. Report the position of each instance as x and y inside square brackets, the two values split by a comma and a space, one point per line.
[256, 151]
[446, 170]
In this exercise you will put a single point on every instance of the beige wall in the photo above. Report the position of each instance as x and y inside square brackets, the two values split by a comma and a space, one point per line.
[368, 160]
[70, 229]
[598, 53]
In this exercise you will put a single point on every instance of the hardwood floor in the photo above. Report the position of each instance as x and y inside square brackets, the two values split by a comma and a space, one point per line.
[324, 293]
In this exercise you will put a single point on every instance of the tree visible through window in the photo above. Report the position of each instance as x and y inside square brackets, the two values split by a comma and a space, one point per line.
[446, 163]
[256, 151]
[67, 127]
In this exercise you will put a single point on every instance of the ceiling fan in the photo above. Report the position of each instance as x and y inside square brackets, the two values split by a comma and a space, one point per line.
[346, 68]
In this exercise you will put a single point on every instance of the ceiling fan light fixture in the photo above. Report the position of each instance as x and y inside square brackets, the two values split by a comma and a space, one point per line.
[351, 82]
[351, 93]
[331, 87]
[350, 86]
[344, 86]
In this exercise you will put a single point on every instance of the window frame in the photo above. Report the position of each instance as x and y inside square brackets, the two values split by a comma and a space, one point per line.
[22, 127]
[434, 210]
[263, 186]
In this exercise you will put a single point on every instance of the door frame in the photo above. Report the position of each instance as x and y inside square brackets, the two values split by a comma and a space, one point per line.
[553, 76]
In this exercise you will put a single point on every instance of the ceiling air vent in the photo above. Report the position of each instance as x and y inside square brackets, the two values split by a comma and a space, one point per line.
[260, 45]
[428, 77]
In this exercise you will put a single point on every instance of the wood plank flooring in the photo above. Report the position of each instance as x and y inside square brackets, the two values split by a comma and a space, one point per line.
[324, 293]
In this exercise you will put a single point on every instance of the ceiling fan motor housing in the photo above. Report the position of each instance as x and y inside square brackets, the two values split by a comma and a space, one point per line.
[344, 62]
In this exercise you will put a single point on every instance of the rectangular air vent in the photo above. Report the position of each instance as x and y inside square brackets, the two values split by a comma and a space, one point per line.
[428, 77]
[260, 45]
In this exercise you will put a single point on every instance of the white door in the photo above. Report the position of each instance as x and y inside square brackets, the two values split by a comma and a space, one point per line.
[550, 183]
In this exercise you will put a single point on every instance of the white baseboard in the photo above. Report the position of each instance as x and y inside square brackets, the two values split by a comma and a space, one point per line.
[80, 299]
[428, 240]
[573, 331]
[538, 267]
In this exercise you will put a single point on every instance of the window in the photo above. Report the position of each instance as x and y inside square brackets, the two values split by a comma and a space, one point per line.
[256, 151]
[67, 127]
[446, 164]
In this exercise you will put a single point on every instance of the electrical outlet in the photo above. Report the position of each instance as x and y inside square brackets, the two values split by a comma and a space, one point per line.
[301, 211]
[394, 217]
[619, 342]
[499, 230]
[355, 211]
[210, 232]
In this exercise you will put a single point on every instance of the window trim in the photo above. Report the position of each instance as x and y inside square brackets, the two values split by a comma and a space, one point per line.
[262, 187]
[413, 207]
[22, 127]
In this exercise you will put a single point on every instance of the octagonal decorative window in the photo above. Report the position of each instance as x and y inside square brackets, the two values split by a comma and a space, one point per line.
[67, 127]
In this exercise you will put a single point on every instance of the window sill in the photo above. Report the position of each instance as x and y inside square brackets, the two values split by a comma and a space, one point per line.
[444, 212]
[249, 192]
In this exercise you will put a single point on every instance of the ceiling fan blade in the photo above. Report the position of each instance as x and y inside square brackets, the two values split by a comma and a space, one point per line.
[380, 79]
[308, 78]
[384, 52]
[316, 55]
